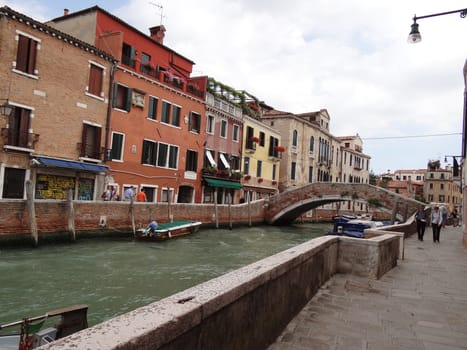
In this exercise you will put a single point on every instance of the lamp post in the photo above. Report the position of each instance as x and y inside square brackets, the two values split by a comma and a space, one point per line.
[415, 37]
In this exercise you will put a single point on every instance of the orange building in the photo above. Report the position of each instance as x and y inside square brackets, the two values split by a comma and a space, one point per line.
[156, 122]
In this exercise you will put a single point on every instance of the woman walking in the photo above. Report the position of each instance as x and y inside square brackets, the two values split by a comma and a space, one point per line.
[436, 223]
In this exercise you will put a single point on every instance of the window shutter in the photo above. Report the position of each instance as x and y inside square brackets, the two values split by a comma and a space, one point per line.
[32, 56]
[22, 53]
[151, 108]
[95, 80]
[115, 96]
[97, 152]
[83, 141]
[128, 99]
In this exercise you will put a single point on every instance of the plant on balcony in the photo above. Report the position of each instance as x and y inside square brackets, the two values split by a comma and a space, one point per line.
[260, 179]
[247, 177]
[222, 172]
[211, 170]
[274, 182]
[255, 139]
[236, 175]
[279, 148]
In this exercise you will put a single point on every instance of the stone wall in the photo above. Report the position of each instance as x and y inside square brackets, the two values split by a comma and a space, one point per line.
[111, 217]
[245, 309]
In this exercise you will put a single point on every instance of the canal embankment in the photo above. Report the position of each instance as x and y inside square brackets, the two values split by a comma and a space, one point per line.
[246, 308]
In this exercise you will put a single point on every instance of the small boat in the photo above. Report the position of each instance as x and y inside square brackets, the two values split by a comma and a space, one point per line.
[32, 334]
[354, 228]
[168, 230]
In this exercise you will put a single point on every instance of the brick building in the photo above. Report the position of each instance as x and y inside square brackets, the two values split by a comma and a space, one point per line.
[58, 87]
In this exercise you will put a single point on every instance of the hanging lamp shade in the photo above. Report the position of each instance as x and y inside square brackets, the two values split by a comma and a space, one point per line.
[414, 36]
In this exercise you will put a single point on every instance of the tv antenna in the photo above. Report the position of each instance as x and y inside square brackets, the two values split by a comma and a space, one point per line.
[161, 8]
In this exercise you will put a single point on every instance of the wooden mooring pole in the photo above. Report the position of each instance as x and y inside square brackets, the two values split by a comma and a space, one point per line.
[70, 213]
[31, 211]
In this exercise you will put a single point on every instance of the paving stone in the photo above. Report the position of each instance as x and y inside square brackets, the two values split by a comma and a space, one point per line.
[421, 304]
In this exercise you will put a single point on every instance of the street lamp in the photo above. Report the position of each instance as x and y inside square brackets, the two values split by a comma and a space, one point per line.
[415, 37]
[6, 109]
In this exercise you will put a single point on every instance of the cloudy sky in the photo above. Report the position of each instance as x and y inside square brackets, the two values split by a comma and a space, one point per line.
[350, 57]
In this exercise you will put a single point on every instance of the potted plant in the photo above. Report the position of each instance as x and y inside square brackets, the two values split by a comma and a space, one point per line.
[260, 179]
[255, 139]
[247, 177]
[279, 148]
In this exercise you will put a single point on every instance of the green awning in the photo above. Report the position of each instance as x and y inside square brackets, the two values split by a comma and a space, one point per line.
[222, 183]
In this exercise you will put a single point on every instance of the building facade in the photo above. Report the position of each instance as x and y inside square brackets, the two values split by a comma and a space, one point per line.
[156, 126]
[58, 88]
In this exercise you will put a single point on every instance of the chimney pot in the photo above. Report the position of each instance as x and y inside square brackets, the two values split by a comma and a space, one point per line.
[158, 33]
[65, 12]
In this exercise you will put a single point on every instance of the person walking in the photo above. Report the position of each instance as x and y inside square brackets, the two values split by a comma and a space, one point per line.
[129, 193]
[436, 223]
[420, 216]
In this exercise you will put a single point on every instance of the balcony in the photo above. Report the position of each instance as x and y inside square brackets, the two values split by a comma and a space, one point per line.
[224, 174]
[15, 138]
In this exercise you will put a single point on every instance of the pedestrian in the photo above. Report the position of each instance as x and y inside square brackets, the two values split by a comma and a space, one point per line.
[436, 223]
[108, 193]
[129, 193]
[455, 218]
[420, 216]
[141, 196]
[444, 215]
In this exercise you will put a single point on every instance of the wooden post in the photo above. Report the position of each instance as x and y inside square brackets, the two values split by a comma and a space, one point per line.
[169, 208]
[230, 210]
[31, 211]
[216, 213]
[132, 214]
[249, 209]
[70, 212]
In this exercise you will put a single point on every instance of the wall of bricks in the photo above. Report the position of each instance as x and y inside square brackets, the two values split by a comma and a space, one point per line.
[107, 217]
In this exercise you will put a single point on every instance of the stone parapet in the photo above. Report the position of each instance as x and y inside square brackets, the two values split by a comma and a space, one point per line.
[244, 309]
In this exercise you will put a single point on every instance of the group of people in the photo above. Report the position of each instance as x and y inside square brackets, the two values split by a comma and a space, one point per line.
[110, 194]
[438, 219]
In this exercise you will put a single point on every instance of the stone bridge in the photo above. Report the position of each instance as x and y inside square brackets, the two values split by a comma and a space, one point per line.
[287, 206]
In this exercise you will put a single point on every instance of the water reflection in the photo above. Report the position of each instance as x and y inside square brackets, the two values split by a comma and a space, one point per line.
[116, 276]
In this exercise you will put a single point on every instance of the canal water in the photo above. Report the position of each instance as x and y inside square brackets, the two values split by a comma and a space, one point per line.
[114, 276]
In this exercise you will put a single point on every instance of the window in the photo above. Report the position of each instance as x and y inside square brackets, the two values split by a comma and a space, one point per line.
[117, 146]
[166, 193]
[310, 174]
[166, 109]
[312, 145]
[176, 115]
[194, 122]
[294, 138]
[96, 77]
[13, 183]
[235, 132]
[149, 154]
[122, 97]
[191, 160]
[262, 139]
[293, 166]
[441, 187]
[250, 144]
[91, 141]
[145, 60]
[27, 54]
[224, 128]
[259, 169]
[152, 107]
[167, 156]
[273, 143]
[18, 130]
[441, 198]
[274, 171]
[210, 124]
[234, 163]
[128, 55]
[246, 165]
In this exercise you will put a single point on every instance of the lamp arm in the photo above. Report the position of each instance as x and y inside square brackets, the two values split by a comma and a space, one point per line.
[463, 14]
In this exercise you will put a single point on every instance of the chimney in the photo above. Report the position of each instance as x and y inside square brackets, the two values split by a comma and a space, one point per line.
[158, 33]
[65, 12]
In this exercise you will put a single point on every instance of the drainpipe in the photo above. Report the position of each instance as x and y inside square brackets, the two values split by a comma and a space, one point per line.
[109, 109]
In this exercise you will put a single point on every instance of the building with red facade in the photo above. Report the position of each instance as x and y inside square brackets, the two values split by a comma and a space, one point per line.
[155, 130]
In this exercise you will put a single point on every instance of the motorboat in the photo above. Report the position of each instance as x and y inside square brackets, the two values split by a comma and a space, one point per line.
[168, 231]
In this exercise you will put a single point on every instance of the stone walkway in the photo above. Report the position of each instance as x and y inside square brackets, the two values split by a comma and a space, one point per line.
[419, 305]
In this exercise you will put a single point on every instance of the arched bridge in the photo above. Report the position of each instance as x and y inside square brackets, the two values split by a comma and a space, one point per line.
[287, 206]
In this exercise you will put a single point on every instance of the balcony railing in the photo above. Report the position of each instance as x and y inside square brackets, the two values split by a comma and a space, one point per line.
[15, 138]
